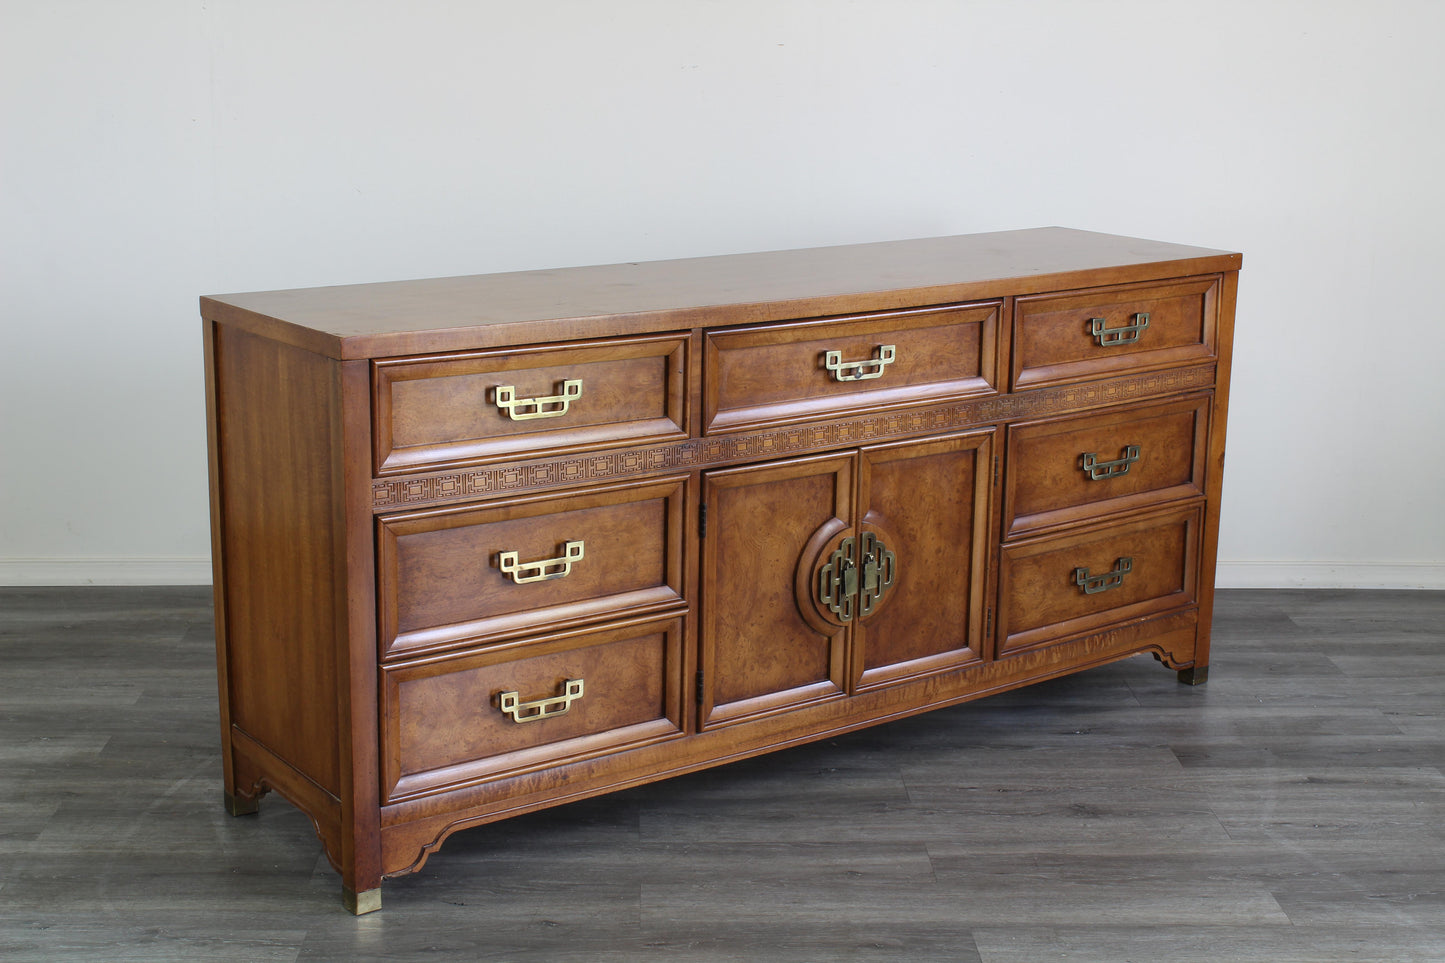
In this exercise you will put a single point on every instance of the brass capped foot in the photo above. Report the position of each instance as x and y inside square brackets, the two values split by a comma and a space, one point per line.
[1194, 675]
[242, 805]
[358, 904]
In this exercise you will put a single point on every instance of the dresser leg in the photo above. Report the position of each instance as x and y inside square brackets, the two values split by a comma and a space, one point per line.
[1194, 675]
[242, 805]
[358, 904]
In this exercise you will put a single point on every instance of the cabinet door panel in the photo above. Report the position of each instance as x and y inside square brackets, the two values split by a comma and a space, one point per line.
[762, 650]
[928, 502]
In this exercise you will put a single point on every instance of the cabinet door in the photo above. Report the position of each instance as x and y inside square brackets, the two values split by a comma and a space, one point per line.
[928, 503]
[764, 649]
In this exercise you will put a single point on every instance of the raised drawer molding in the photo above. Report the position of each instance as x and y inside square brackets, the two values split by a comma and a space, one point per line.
[488, 544]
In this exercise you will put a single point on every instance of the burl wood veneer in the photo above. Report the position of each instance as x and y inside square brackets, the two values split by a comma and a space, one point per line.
[488, 544]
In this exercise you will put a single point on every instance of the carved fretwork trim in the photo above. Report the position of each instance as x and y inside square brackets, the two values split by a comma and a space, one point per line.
[453, 486]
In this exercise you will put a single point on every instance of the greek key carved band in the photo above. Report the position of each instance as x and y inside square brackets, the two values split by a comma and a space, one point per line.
[459, 485]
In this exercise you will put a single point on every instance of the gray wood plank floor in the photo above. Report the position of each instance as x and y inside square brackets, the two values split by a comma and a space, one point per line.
[1293, 809]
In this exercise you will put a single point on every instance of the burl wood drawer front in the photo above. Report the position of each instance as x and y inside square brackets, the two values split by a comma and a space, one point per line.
[503, 711]
[1080, 335]
[1054, 588]
[1072, 469]
[830, 367]
[481, 406]
[464, 575]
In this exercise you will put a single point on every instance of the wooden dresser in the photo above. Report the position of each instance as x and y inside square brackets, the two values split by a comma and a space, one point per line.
[489, 544]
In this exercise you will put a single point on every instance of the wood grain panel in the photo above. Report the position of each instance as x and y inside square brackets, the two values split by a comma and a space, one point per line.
[760, 653]
[1041, 603]
[437, 411]
[775, 374]
[441, 584]
[277, 437]
[445, 728]
[1053, 344]
[1045, 485]
[928, 500]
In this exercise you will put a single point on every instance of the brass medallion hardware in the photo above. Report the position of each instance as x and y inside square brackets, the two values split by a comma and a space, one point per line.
[525, 409]
[879, 569]
[1128, 334]
[1094, 584]
[838, 582]
[1090, 465]
[510, 703]
[547, 568]
[849, 588]
[883, 356]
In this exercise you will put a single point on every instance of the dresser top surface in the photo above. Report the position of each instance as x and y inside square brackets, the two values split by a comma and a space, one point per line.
[487, 310]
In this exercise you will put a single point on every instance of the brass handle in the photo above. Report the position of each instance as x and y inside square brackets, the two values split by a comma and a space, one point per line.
[525, 409]
[547, 568]
[511, 704]
[1090, 465]
[880, 567]
[850, 588]
[838, 582]
[1094, 584]
[1128, 334]
[883, 356]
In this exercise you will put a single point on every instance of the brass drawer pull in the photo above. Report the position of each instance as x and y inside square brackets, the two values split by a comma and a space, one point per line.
[883, 356]
[845, 592]
[1094, 584]
[1128, 334]
[511, 704]
[1095, 469]
[547, 568]
[525, 409]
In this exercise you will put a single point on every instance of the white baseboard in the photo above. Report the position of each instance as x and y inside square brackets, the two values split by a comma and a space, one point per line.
[196, 570]
[1331, 575]
[150, 570]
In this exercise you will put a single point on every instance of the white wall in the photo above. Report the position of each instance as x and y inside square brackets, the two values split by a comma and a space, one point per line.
[156, 150]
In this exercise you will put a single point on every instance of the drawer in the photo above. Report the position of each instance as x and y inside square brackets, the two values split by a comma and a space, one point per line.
[505, 711]
[458, 576]
[1068, 585]
[446, 410]
[1074, 469]
[832, 367]
[1081, 335]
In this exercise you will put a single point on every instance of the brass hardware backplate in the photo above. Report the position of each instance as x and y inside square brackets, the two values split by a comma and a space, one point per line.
[880, 568]
[856, 576]
[1089, 463]
[838, 581]
[510, 703]
[547, 568]
[1128, 334]
[883, 356]
[525, 409]
[1094, 584]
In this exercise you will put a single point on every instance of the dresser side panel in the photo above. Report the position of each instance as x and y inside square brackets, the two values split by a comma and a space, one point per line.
[277, 417]
[1214, 478]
